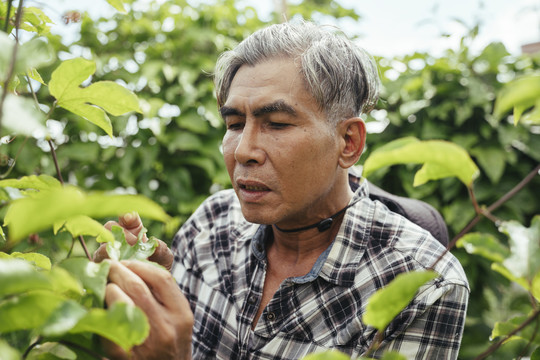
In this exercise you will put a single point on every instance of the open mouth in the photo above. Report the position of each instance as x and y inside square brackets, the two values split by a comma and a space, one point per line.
[253, 187]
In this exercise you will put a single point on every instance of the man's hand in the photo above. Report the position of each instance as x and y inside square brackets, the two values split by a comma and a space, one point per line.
[132, 225]
[157, 294]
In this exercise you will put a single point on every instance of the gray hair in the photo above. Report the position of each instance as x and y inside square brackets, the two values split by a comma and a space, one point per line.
[340, 75]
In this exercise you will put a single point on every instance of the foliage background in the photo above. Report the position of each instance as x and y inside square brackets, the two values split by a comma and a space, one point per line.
[165, 53]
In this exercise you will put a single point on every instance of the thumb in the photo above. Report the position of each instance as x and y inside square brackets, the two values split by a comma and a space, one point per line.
[132, 222]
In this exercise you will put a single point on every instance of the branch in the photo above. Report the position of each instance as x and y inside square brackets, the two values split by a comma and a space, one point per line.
[11, 69]
[491, 208]
[498, 344]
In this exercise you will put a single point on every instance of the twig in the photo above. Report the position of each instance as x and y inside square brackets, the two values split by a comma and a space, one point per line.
[53, 153]
[59, 174]
[33, 345]
[490, 209]
[498, 344]
[8, 12]
[11, 69]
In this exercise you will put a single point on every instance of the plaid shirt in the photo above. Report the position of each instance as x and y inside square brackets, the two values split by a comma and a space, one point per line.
[220, 266]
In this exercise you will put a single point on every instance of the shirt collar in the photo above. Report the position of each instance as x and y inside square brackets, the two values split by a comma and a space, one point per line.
[339, 262]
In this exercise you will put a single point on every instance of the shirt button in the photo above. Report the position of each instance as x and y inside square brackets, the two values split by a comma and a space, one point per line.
[252, 299]
[270, 316]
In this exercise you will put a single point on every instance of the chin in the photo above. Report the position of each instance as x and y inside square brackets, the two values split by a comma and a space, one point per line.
[257, 217]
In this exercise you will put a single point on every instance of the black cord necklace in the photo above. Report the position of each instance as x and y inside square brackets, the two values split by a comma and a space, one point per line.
[322, 225]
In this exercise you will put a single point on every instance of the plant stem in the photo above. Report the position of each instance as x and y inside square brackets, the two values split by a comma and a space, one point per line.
[33, 345]
[527, 179]
[498, 344]
[8, 12]
[53, 153]
[59, 174]
[11, 69]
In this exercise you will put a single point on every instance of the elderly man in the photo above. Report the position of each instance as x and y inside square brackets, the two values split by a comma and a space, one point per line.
[283, 265]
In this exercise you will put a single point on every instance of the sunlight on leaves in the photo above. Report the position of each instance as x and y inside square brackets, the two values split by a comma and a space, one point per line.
[26, 216]
[386, 303]
[37, 182]
[23, 118]
[520, 95]
[33, 258]
[93, 101]
[122, 323]
[485, 245]
[119, 249]
[93, 276]
[84, 225]
[524, 260]
[440, 159]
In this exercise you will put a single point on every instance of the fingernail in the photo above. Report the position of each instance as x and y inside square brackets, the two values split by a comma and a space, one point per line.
[129, 217]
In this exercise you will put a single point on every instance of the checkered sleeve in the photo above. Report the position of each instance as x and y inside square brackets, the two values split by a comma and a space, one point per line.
[431, 327]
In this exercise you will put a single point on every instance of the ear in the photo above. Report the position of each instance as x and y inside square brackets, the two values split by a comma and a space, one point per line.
[352, 134]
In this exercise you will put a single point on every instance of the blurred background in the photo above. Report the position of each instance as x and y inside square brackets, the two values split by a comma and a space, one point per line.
[442, 66]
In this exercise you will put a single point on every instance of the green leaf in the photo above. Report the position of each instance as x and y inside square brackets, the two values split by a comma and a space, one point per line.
[8, 353]
[392, 355]
[118, 5]
[26, 216]
[485, 245]
[64, 282]
[122, 323]
[536, 354]
[18, 276]
[535, 286]
[84, 225]
[504, 328]
[492, 160]
[90, 102]
[36, 259]
[51, 351]
[439, 158]
[501, 269]
[37, 182]
[29, 310]
[524, 260]
[21, 116]
[93, 276]
[386, 303]
[63, 319]
[34, 74]
[327, 355]
[521, 93]
[121, 250]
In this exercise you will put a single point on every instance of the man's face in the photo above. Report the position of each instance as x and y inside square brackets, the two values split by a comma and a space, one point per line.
[279, 149]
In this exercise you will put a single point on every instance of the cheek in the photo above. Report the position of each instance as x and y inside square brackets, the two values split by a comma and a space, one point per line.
[229, 147]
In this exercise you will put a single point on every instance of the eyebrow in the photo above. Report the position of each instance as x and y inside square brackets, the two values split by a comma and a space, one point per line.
[276, 106]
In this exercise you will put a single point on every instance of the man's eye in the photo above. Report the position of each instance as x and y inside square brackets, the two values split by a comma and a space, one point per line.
[277, 125]
[235, 126]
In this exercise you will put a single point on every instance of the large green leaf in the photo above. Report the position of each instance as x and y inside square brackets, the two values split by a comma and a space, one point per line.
[440, 159]
[37, 182]
[90, 102]
[388, 302]
[485, 245]
[29, 310]
[63, 319]
[93, 276]
[26, 216]
[17, 276]
[121, 250]
[501, 269]
[524, 259]
[122, 323]
[52, 351]
[84, 225]
[7, 352]
[37, 259]
[519, 94]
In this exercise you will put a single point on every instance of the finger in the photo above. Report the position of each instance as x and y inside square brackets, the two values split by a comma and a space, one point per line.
[101, 253]
[162, 255]
[133, 223]
[161, 283]
[113, 351]
[113, 294]
[135, 288]
[131, 239]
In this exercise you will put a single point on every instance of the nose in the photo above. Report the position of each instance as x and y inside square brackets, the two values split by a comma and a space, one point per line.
[249, 148]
